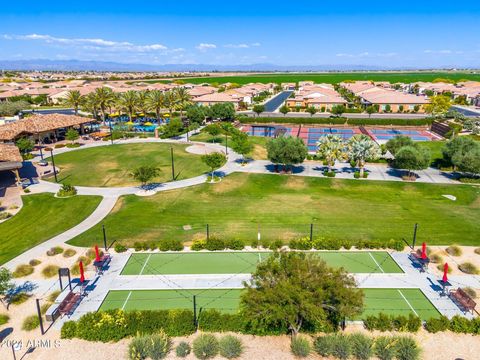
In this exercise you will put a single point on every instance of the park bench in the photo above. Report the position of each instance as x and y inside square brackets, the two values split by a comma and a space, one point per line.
[67, 305]
[463, 299]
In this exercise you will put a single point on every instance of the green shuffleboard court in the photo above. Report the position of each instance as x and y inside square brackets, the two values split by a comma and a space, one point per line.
[388, 301]
[246, 262]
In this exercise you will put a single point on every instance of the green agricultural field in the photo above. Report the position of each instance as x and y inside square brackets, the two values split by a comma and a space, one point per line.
[388, 301]
[111, 165]
[246, 262]
[283, 207]
[333, 78]
[42, 217]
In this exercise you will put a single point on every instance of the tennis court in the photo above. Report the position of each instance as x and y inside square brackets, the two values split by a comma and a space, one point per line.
[246, 262]
[388, 301]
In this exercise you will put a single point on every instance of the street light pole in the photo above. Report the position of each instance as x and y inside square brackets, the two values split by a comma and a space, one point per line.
[111, 131]
[53, 163]
[173, 165]
[226, 144]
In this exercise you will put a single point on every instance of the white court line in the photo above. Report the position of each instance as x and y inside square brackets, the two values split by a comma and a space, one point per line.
[369, 253]
[408, 303]
[259, 257]
[146, 261]
[126, 300]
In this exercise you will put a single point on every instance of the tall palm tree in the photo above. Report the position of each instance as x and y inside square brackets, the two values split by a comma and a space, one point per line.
[90, 104]
[156, 102]
[128, 102]
[360, 148]
[73, 99]
[142, 105]
[332, 148]
[182, 99]
[105, 98]
[170, 100]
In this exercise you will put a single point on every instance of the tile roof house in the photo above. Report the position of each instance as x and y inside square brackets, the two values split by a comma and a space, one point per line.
[217, 98]
[10, 157]
[320, 96]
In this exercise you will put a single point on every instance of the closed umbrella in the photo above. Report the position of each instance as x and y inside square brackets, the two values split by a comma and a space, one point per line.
[82, 274]
[424, 251]
[97, 255]
[445, 272]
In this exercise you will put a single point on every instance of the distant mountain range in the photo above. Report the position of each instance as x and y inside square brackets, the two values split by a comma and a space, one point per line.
[80, 65]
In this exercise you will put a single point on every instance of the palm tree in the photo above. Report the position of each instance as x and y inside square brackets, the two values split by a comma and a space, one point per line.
[182, 99]
[170, 100]
[128, 101]
[90, 104]
[332, 148]
[361, 148]
[73, 99]
[105, 98]
[156, 102]
[142, 105]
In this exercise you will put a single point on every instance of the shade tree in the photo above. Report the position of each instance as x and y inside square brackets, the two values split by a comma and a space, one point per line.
[286, 150]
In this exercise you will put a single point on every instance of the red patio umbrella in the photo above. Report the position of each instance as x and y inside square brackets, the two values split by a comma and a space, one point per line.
[82, 274]
[445, 272]
[97, 255]
[424, 251]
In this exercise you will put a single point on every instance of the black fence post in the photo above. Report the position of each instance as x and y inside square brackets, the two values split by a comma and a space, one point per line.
[173, 165]
[208, 232]
[60, 279]
[39, 312]
[414, 235]
[311, 232]
[104, 237]
[195, 310]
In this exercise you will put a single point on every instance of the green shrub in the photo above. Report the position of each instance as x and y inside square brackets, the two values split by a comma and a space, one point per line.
[5, 215]
[69, 330]
[30, 323]
[330, 173]
[356, 175]
[214, 321]
[183, 349]
[436, 258]
[477, 251]
[276, 244]
[34, 262]
[230, 347]
[53, 296]
[205, 346]
[50, 271]
[159, 345]
[303, 243]
[198, 245]
[362, 346]
[138, 246]
[138, 348]
[468, 268]
[22, 270]
[300, 346]
[4, 319]
[234, 244]
[342, 347]
[172, 245]
[19, 298]
[67, 191]
[459, 324]
[385, 348]
[119, 248]
[454, 250]
[382, 322]
[55, 251]
[407, 349]
[214, 243]
[414, 323]
[434, 325]
[323, 345]
[69, 253]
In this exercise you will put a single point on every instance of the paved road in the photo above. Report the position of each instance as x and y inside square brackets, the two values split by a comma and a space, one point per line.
[277, 101]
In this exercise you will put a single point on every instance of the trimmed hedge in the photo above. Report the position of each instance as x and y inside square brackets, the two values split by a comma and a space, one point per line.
[457, 324]
[336, 121]
[384, 322]
[334, 244]
[214, 243]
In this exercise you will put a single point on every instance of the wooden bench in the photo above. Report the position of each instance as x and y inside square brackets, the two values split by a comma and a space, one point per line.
[67, 305]
[463, 299]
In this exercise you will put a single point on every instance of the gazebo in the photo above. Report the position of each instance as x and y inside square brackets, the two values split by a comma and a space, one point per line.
[10, 159]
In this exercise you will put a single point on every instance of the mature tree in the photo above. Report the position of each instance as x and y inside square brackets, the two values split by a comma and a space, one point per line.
[213, 129]
[332, 148]
[128, 102]
[182, 99]
[456, 115]
[104, 99]
[72, 135]
[457, 148]
[370, 110]
[338, 110]
[90, 104]
[312, 110]
[25, 145]
[393, 145]
[6, 284]
[196, 114]
[258, 109]
[173, 128]
[214, 161]
[412, 158]
[145, 173]
[155, 103]
[223, 111]
[73, 99]
[439, 105]
[291, 290]
[468, 162]
[362, 147]
[142, 103]
[472, 125]
[284, 109]
[170, 100]
[241, 144]
[286, 150]
[10, 108]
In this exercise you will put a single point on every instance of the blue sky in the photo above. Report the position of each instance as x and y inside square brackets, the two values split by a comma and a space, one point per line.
[392, 34]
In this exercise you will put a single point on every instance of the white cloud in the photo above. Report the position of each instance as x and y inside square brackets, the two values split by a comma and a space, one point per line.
[89, 43]
[242, 45]
[205, 46]
[366, 54]
[428, 51]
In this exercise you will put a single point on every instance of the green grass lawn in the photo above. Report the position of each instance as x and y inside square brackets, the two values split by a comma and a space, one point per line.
[111, 165]
[259, 143]
[389, 301]
[246, 262]
[435, 148]
[42, 217]
[332, 78]
[282, 207]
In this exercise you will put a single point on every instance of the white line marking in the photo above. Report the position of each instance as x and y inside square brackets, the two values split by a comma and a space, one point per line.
[369, 253]
[126, 300]
[408, 303]
[259, 257]
[146, 261]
